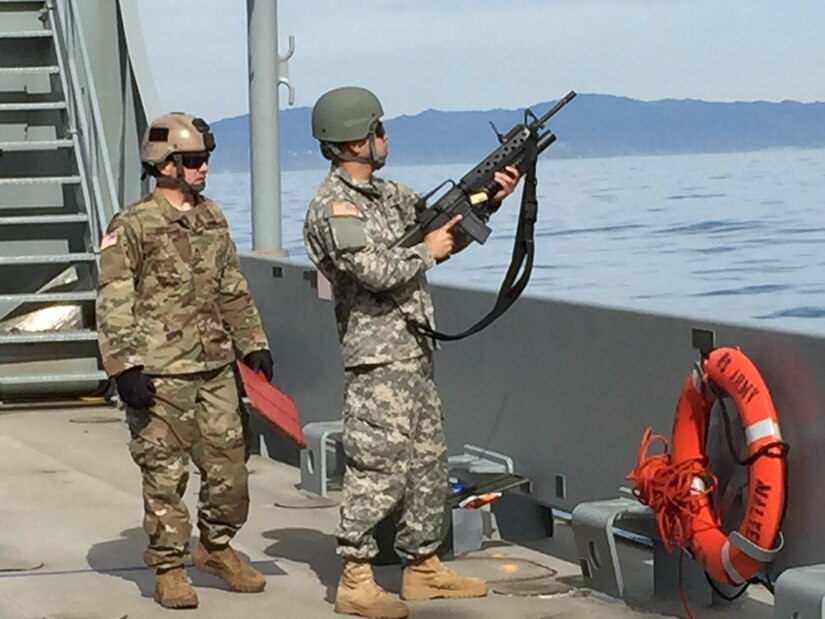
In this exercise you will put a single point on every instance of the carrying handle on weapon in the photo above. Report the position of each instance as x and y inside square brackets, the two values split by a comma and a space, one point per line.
[426, 197]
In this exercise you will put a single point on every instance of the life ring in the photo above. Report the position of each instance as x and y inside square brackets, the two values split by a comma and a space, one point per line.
[737, 557]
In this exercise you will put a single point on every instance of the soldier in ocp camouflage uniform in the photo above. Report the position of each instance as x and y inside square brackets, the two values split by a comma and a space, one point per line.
[172, 309]
[393, 436]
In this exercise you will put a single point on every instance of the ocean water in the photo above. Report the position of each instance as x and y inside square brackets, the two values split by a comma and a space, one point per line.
[736, 237]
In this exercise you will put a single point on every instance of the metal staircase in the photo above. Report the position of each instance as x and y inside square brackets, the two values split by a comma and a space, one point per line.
[56, 189]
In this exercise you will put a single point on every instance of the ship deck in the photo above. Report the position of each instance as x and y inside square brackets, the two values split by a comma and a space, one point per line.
[71, 542]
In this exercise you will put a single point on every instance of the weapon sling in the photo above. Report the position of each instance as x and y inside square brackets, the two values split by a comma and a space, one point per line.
[521, 261]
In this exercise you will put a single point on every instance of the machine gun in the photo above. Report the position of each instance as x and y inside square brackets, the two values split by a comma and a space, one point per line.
[520, 147]
[478, 185]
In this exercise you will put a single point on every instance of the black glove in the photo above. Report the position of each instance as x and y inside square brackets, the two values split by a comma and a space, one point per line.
[260, 360]
[135, 388]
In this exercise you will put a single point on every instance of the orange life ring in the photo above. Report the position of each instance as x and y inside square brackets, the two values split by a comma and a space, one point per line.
[737, 557]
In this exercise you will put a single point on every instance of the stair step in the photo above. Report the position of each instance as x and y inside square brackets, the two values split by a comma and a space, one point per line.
[25, 220]
[31, 379]
[32, 107]
[47, 259]
[49, 69]
[46, 337]
[40, 180]
[49, 297]
[25, 34]
[30, 145]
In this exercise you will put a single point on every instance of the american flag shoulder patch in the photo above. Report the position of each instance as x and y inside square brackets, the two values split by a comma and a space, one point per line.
[108, 240]
[344, 209]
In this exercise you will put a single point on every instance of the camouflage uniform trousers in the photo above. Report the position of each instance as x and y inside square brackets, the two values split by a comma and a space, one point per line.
[210, 431]
[396, 458]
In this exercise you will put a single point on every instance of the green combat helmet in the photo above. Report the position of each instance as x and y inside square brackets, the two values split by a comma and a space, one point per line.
[347, 114]
[172, 137]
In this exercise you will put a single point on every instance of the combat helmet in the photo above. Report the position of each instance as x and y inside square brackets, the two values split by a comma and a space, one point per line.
[177, 132]
[347, 114]
[172, 137]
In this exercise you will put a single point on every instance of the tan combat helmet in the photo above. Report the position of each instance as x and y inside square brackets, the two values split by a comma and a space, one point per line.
[174, 133]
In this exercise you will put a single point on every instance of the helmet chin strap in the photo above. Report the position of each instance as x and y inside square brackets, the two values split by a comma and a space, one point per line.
[375, 162]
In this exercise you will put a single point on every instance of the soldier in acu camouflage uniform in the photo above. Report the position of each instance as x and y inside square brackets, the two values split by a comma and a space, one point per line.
[393, 436]
[173, 308]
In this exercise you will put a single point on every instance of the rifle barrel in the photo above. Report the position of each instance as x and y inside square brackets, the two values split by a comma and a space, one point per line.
[552, 111]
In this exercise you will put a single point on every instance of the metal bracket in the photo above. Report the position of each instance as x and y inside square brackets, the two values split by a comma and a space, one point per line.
[283, 70]
[703, 340]
[478, 460]
[595, 525]
[800, 592]
[315, 470]
[593, 531]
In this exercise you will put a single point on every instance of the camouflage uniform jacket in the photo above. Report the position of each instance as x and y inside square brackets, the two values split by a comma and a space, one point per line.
[348, 230]
[171, 296]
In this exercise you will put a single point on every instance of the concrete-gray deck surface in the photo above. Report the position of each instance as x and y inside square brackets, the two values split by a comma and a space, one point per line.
[71, 542]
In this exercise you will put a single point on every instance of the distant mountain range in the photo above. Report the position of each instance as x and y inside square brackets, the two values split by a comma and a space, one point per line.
[590, 126]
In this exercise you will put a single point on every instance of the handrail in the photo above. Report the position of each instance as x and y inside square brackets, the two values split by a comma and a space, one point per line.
[84, 110]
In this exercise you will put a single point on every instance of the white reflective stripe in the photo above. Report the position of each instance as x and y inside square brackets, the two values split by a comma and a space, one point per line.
[696, 379]
[761, 429]
[735, 577]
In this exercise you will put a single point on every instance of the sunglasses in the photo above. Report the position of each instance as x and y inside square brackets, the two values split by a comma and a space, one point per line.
[194, 161]
[380, 131]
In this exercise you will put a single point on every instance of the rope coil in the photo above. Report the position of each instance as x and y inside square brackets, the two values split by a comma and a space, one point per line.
[673, 491]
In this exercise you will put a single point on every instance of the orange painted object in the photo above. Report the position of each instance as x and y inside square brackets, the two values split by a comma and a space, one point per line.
[272, 404]
[479, 500]
[669, 490]
[735, 376]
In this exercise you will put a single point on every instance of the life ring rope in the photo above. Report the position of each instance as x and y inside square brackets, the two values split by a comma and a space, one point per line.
[670, 490]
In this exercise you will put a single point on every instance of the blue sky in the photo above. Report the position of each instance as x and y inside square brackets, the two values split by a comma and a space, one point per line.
[483, 54]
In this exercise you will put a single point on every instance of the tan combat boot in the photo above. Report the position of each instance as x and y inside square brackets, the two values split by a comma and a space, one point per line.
[226, 565]
[172, 589]
[358, 594]
[427, 579]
